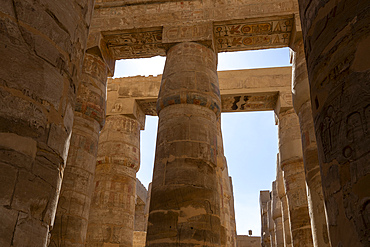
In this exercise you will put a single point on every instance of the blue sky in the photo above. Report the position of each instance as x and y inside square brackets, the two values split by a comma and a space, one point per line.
[250, 139]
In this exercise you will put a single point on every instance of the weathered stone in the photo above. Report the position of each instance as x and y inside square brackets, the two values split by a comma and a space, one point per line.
[112, 213]
[41, 46]
[277, 216]
[336, 37]
[185, 206]
[250, 90]
[265, 235]
[248, 241]
[77, 188]
[302, 106]
[291, 162]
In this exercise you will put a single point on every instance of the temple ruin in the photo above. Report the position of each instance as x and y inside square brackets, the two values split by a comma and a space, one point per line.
[70, 137]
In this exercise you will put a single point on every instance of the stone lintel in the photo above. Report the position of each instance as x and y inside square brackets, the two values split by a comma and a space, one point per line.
[241, 90]
[96, 44]
[201, 32]
[118, 15]
[128, 107]
[135, 43]
[253, 34]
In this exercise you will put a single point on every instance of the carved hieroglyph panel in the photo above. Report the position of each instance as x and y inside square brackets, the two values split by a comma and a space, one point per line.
[253, 35]
[237, 103]
[135, 44]
[230, 103]
[149, 106]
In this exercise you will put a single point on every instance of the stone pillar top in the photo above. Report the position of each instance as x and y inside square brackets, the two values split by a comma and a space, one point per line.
[96, 44]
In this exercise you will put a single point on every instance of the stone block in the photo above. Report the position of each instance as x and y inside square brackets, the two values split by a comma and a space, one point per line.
[7, 227]
[30, 232]
[32, 194]
[8, 178]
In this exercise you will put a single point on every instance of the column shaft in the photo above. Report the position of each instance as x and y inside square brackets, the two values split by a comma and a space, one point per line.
[270, 223]
[265, 233]
[74, 201]
[277, 217]
[283, 204]
[185, 203]
[302, 106]
[337, 36]
[291, 163]
[112, 212]
[39, 67]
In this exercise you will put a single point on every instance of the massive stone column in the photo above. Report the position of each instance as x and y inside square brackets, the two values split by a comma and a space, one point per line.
[291, 162]
[226, 197]
[280, 187]
[232, 216]
[277, 216]
[74, 201]
[112, 212]
[336, 36]
[185, 203]
[270, 223]
[42, 47]
[265, 234]
[302, 106]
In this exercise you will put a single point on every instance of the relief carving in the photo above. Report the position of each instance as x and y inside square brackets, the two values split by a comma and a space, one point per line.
[135, 44]
[245, 36]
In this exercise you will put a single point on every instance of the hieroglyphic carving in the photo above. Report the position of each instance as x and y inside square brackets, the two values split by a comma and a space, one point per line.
[198, 32]
[248, 102]
[253, 35]
[135, 44]
[148, 106]
[229, 103]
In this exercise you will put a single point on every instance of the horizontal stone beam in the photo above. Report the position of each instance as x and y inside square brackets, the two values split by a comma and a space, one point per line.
[118, 15]
[145, 28]
[241, 90]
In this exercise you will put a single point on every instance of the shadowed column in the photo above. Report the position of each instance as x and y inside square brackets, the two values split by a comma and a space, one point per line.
[302, 106]
[277, 216]
[74, 201]
[112, 213]
[270, 222]
[42, 44]
[185, 203]
[265, 234]
[291, 162]
[284, 204]
[336, 37]
[226, 204]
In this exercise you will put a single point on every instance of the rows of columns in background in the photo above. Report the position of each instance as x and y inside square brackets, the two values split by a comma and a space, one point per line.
[42, 48]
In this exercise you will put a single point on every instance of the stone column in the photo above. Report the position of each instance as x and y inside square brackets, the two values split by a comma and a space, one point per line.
[42, 47]
[265, 235]
[277, 217]
[283, 204]
[291, 162]
[336, 38]
[232, 215]
[302, 106]
[185, 203]
[112, 212]
[74, 201]
[270, 223]
[225, 192]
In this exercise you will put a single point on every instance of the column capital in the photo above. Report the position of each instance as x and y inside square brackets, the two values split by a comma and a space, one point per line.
[98, 46]
[201, 32]
[127, 107]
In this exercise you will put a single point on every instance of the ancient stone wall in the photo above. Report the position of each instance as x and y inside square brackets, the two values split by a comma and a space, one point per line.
[248, 241]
